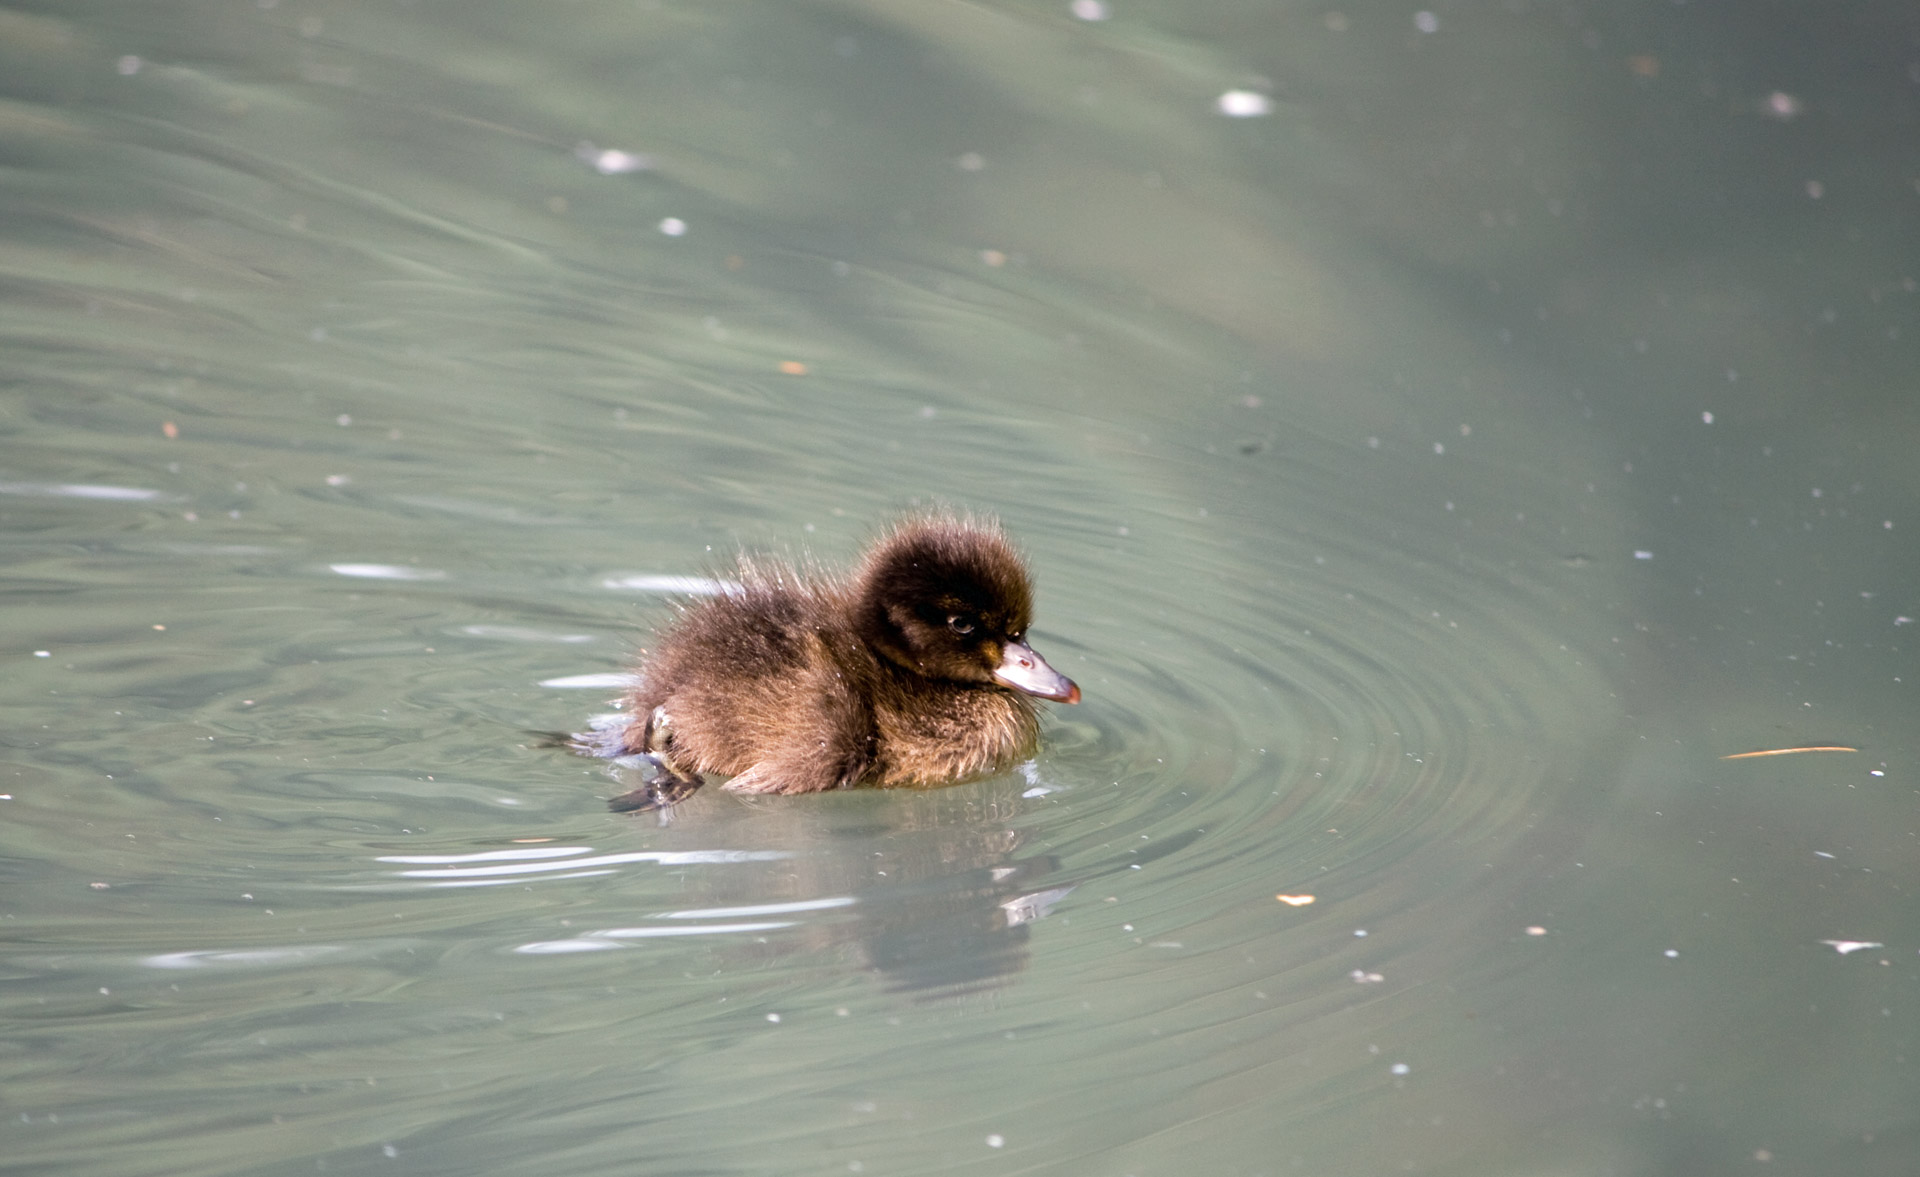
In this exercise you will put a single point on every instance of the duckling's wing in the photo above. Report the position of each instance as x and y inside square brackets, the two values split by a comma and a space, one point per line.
[823, 737]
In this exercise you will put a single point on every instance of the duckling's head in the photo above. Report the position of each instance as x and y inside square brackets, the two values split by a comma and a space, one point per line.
[948, 598]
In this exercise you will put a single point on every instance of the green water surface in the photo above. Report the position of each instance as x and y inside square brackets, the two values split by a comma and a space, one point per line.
[1429, 477]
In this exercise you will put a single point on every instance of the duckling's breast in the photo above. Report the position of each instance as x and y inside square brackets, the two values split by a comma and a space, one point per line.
[952, 734]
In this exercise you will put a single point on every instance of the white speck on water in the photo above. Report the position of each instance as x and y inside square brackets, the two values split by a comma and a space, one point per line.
[995, 1140]
[598, 682]
[1843, 947]
[387, 572]
[611, 161]
[1244, 104]
[673, 227]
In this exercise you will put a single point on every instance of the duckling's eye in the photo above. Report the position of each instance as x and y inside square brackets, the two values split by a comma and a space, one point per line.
[960, 625]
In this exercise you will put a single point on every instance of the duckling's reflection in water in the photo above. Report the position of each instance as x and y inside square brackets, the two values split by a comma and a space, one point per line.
[959, 931]
[943, 900]
[912, 671]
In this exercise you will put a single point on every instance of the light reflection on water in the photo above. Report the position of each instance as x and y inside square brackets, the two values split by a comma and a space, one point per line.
[372, 413]
[457, 869]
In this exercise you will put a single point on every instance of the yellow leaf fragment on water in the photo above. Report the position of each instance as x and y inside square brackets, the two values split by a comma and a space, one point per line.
[793, 368]
[1789, 751]
[1295, 900]
[1845, 946]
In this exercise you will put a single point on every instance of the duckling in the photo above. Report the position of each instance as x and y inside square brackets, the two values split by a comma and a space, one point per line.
[912, 671]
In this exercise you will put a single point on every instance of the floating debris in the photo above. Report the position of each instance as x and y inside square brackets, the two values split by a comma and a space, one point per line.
[1789, 751]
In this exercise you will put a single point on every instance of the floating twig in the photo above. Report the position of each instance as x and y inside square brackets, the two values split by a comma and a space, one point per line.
[1789, 751]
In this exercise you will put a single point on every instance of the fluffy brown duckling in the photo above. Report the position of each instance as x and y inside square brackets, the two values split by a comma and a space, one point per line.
[912, 671]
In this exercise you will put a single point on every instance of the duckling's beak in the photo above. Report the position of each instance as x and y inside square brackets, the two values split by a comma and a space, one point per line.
[1024, 670]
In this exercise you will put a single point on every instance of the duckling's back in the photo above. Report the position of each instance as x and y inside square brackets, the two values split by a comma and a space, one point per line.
[755, 684]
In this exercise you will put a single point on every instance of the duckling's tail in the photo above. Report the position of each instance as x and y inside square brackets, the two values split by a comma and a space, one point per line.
[661, 784]
[604, 743]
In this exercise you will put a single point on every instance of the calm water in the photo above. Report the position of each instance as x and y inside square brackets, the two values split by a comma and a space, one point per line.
[1430, 477]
